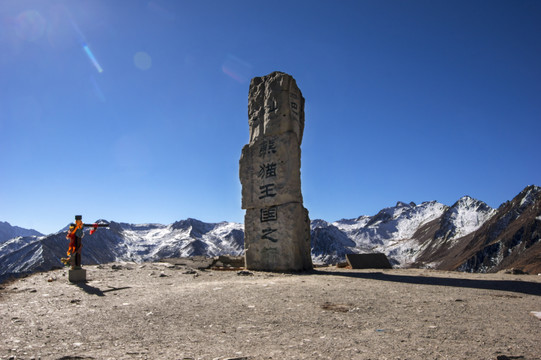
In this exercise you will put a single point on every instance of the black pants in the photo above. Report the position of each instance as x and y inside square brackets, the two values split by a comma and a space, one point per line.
[76, 257]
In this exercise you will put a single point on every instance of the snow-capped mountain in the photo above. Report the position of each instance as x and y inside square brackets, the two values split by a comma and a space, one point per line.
[467, 236]
[402, 232]
[124, 242]
[329, 243]
[9, 232]
[391, 231]
[511, 238]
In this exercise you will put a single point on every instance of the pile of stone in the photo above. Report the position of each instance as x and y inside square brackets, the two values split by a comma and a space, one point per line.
[228, 262]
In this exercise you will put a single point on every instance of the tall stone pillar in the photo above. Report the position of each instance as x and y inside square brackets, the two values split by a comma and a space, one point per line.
[276, 224]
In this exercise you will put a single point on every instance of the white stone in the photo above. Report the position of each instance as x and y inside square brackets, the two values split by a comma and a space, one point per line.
[277, 226]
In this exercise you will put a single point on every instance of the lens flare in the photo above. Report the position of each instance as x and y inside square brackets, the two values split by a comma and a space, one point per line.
[92, 58]
[237, 69]
[82, 40]
[142, 60]
[97, 89]
[30, 25]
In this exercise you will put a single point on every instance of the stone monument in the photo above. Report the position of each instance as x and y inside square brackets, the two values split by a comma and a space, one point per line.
[276, 224]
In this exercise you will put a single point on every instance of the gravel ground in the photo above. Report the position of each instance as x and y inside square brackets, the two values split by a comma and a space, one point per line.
[167, 311]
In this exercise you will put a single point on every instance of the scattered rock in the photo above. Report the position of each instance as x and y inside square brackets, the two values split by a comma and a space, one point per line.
[336, 307]
[190, 271]
[514, 271]
[245, 273]
[233, 261]
[195, 262]
[368, 261]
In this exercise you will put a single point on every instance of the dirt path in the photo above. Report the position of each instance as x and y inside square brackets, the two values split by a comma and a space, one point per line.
[162, 311]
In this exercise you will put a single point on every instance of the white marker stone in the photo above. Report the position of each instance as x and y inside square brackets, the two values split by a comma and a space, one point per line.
[277, 226]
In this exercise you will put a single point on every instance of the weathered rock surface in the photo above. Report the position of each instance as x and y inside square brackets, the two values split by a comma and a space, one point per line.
[368, 261]
[275, 106]
[282, 244]
[270, 172]
[277, 227]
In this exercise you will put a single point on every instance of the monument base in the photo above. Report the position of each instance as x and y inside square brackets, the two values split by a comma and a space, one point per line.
[77, 275]
[277, 238]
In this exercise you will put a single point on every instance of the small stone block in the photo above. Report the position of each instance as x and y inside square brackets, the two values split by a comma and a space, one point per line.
[368, 261]
[77, 275]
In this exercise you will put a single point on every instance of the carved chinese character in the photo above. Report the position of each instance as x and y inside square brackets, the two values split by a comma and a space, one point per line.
[294, 108]
[267, 147]
[267, 170]
[267, 232]
[269, 214]
[267, 191]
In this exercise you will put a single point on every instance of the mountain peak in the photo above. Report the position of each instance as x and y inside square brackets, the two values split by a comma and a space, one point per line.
[533, 188]
[318, 223]
[470, 202]
[403, 204]
[8, 231]
[528, 196]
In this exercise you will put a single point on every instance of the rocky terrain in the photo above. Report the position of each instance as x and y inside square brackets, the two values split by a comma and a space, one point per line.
[180, 310]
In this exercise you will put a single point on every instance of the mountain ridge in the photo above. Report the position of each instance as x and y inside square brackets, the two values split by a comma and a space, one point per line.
[8, 231]
[467, 236]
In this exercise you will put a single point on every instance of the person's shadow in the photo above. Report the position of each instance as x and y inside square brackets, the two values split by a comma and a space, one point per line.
[517, 286]
[91, 290]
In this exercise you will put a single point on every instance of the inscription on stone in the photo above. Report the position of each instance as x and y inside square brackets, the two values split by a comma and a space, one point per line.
[277, 227]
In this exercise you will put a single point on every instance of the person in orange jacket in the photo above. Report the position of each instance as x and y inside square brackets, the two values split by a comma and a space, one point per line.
[75, 236]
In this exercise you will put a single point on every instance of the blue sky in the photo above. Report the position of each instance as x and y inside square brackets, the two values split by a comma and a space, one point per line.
[136, 111]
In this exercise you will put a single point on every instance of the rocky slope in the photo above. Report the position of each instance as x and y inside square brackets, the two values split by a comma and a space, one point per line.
[7, 232]
[511, 238]
[468, 236]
